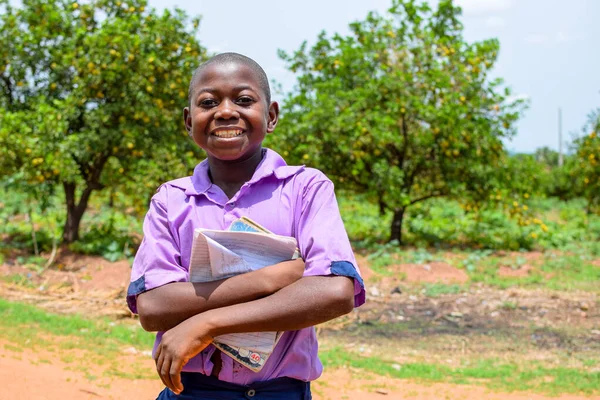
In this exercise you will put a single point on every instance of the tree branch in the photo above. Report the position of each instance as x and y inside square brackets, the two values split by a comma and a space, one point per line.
[404, 127]
[429, 196]
[9, 90]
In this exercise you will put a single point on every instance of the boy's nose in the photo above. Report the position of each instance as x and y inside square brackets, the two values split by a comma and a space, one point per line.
[226, 110]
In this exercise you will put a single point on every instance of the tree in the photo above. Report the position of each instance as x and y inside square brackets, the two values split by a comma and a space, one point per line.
[402, 108]
[547, 156]
[587, 155]
[89, 91]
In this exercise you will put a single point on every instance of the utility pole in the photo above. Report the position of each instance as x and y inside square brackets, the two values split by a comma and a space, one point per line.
[560, 142]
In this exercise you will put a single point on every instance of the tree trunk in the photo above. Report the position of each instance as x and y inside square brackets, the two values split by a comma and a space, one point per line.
[33, 236]
[396, 231]
[74, 211]
[111, 198]
[382, 207]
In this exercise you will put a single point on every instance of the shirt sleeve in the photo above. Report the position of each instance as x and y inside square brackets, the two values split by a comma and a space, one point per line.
[322, 238]
[158, 259]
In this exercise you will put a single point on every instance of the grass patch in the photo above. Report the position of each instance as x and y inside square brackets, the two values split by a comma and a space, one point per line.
[439, 289]
[19, 280]
[98, 333]
[101, 340]
[560, 270]
[12, 348]
[555, 271]
[493, 373]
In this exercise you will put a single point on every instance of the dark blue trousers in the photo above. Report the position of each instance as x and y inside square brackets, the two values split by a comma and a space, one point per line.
[201, 387]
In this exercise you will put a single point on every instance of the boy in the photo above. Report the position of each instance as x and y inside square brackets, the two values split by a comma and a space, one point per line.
[229, 114]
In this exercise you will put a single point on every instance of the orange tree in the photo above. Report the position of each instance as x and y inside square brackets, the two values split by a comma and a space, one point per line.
[402, 108]
[587, 166]
[91, 95]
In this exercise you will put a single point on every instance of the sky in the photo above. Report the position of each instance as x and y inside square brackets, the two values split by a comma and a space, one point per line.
[549, 49]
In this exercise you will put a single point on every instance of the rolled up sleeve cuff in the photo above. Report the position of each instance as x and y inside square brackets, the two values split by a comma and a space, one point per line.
[149, 281]
[346, 268]
[136, 287]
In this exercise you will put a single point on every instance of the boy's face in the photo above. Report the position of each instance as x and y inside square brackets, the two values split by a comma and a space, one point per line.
[228, 115]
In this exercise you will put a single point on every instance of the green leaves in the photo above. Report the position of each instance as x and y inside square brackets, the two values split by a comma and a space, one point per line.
[401, 109]
[586, 174]
[83, 86]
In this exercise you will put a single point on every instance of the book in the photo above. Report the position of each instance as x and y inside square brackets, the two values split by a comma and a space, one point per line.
[246, 246]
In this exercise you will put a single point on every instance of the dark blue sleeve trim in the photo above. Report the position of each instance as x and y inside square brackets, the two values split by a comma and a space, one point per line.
[136, 287]
[345, 268]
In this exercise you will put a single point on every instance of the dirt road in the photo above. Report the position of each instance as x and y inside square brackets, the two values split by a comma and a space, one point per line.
[89, 285]
[28, 375]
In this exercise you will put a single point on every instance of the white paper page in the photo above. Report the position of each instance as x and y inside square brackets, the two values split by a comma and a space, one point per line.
[220, 254]
[224, 262]
[258, 250]
[212, 261]
[199, 260]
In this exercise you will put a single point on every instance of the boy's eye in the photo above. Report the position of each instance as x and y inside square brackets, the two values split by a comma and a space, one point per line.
[208, 103]
[245, 100]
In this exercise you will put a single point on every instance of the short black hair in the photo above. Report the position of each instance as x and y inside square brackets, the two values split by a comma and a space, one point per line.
[225, 58]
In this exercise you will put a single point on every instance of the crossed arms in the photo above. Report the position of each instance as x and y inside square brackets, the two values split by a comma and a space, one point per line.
[274, 298]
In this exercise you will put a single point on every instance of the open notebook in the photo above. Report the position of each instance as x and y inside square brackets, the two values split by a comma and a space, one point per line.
[245, 247]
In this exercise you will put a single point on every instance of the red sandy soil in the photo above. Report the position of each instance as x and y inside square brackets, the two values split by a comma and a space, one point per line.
[94, 286]
[25, 376]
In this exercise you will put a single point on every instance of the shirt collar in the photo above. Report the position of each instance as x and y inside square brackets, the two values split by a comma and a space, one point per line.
[271, 164]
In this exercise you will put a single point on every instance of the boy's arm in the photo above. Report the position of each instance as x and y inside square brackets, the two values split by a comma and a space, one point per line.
[310, 301]
[162, 308]
[307, 302]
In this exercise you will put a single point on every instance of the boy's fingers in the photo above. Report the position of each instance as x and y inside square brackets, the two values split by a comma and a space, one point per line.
[159, 367]
[175, 372]
[165, 374]
[159, 360]
[158, 351]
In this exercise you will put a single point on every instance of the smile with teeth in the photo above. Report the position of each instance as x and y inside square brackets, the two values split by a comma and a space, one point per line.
[229, 133]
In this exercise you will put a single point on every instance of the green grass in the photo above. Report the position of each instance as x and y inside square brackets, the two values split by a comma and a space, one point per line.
[98, 333]
[438, 289]
[560, 270]
[493, 373]
[570, 273]
[18, 279]
[382, 257]
[112, 232]
[443, 223]
[101, 340]
[563, 272]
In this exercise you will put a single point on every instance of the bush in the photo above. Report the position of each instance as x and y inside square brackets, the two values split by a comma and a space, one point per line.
[548, 224]
[107, 231]
[362, 220]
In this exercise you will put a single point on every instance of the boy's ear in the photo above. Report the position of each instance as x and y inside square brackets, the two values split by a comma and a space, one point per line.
[187, 120]
[273, 116]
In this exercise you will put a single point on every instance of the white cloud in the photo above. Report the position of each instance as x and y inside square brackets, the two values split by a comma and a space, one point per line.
[495, 22]
[559, 37]
[565, 37]
[536, 38]
[562, 37]
[484, 7]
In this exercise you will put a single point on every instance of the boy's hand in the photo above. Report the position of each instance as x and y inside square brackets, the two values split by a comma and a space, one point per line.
[281, 275]
[178, 345]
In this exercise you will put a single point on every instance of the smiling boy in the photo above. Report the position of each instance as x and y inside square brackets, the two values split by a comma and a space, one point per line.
[229, 115]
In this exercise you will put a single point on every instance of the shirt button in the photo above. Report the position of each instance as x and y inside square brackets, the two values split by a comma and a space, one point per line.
[232, 204]
[251, 393]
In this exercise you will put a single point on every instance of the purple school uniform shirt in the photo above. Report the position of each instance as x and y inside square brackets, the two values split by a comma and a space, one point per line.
[288, 200]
